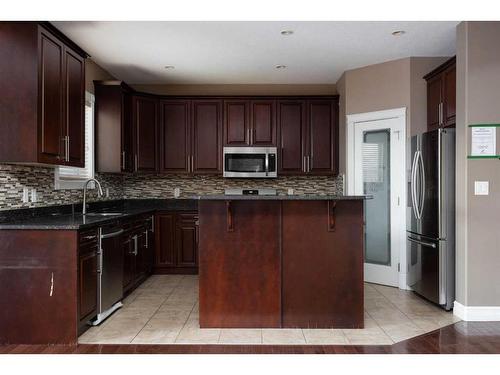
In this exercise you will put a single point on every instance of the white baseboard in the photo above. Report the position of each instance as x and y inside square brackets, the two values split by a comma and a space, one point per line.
[476, 313]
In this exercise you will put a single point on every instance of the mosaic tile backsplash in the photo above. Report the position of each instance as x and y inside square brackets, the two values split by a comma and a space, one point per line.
[162, 186]
[14, 178]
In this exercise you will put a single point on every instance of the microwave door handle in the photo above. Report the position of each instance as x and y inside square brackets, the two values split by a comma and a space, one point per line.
[267, 164]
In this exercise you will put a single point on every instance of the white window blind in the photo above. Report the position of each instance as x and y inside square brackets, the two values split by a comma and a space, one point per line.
[73, 177]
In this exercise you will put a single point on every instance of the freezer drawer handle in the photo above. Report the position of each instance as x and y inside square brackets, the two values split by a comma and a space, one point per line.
[428, 244]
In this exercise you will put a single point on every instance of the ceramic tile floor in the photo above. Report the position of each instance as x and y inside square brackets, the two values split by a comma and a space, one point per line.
[164, 310]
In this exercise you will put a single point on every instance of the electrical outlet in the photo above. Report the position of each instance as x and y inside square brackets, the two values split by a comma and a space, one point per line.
[481, 187]
[26, 195]
[34, 197]
[177, 192]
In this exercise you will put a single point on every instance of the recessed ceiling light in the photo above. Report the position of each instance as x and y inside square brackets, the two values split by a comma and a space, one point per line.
[398, 32]
[287, 32]
[280, 66]
[169, 67]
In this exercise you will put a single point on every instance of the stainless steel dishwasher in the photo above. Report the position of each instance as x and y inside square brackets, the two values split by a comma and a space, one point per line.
[110, 272]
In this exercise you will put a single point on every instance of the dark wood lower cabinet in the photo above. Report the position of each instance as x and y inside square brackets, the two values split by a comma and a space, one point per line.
[240, 279]
[88, 245]
[323, 271]
[176, 243]
[290, 264]
[38, 287]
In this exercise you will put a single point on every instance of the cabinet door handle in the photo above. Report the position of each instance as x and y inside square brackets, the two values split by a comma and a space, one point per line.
[230, 219]
[147, 242]
[67, 148]
[123, 160]
[304, 164]
[308, 164]
[331, 215]
[135, 245]
[136, 162]
[192, 163]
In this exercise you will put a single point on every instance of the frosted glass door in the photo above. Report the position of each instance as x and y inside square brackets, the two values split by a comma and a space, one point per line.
[376, 162]
[379, 171]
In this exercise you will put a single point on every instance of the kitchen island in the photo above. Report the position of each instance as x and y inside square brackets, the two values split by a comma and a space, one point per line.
[281, 261]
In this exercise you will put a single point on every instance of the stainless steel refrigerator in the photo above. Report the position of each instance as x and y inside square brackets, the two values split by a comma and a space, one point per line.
[431, 221]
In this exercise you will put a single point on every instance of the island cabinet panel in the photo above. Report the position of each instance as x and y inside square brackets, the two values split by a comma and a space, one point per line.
[240, 277]
[323, 271]
[165, 240]
[38, 287]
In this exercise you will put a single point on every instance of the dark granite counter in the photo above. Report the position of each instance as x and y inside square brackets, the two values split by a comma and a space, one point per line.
[304, 197]
[69, 217]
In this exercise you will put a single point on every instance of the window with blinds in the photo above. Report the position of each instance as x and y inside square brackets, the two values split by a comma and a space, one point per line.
[73, 177]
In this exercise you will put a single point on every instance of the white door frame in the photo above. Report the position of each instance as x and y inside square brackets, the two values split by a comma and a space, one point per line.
[398, 114]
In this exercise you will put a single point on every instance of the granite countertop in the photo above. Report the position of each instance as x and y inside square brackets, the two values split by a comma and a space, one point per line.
[70, 218]
[303, 197]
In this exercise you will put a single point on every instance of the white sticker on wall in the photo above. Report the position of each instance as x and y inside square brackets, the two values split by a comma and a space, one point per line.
[484, 141]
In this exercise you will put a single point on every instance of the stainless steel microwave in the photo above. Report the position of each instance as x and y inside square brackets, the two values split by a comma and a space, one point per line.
[248, 162]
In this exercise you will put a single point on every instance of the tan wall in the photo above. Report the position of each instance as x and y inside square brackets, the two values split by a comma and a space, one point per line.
[393, 84]
[94, 72]
[478, 217]
[238, 89]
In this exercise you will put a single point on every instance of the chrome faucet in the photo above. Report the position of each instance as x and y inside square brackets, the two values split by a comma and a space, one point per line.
[99, 192]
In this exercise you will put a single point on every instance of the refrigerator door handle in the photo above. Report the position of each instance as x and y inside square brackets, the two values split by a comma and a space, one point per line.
[423, 243]
[442, 276]
[422, 185]
[413, 185]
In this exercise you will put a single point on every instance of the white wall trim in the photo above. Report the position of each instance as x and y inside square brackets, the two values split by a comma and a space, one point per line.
[476, 313]
[363, 117]
[398, 114]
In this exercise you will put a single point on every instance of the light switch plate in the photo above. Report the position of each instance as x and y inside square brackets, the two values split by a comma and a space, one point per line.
[481, 187]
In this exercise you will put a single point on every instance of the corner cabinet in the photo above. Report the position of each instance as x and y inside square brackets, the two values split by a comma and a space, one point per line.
[42, 106]
[441, 96]
[113, 127]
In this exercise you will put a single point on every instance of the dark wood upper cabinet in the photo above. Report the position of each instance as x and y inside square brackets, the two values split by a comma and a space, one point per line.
[292, 134]
[263, 122]
[145, 134]
[74, 66]
[206, 136]
[322, 136]
[308, 136]
[441, 96]
[175, 136]
[113, 127]
[42, 104]
[236, 123]
[52, 131]
[449, 89]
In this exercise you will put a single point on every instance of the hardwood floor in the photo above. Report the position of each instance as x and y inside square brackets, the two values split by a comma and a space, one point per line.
[458, 338]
